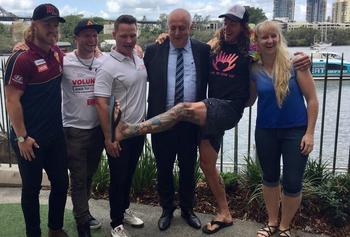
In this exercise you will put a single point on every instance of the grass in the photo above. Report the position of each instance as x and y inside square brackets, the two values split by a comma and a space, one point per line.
[12, 221]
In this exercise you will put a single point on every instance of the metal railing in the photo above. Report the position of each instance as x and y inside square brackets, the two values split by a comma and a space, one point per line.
[4, 126]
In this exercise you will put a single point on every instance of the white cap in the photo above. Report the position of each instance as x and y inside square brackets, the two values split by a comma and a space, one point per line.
[237, 13]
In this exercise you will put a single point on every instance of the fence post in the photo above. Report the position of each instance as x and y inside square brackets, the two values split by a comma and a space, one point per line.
[323, 109]
[235, 159]
[338, 114]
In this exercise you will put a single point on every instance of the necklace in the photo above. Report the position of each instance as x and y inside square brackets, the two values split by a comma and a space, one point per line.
[88, 66]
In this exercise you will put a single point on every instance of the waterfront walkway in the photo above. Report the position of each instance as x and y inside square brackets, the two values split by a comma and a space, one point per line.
[150, 215]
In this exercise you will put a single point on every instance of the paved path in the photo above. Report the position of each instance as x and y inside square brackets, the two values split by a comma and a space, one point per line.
[150, 215]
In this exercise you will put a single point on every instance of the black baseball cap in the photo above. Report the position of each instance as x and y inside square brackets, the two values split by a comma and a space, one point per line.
[237, 13]
[87, 24]
[46, 12]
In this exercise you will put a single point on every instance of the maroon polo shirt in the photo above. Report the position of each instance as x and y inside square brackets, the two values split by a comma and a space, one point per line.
[38, 74]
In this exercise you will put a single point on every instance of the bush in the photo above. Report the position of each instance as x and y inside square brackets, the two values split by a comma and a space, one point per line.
[100, 181]
[146, 171]
[231, 180]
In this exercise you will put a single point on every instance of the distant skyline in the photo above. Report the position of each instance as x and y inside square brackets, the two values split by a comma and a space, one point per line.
[110, 9]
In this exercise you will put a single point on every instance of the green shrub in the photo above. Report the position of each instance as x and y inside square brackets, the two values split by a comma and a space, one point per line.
[316, 172]
[100, 181]
[231, 180]
[334, 197]
[146, 170]
[251, 177]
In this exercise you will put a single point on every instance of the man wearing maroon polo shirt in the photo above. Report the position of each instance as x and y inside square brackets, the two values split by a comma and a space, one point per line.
[33, 98]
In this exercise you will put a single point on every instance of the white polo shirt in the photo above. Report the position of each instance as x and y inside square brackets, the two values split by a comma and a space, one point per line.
[126, 79]
[78, 101]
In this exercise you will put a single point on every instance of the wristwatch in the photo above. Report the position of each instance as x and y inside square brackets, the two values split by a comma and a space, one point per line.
[21, 139]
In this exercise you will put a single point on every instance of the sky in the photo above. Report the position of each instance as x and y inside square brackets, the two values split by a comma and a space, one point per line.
[111, 9]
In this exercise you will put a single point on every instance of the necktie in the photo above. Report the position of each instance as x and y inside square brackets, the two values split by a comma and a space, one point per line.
[179, 83]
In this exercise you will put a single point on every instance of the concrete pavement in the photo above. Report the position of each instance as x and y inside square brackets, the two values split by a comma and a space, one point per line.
[150, 215]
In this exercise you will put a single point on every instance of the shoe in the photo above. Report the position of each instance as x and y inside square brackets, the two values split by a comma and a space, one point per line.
[119, 231]
[94, 224]
[131, 219]
[84, 230]
[57, 233]
[165, 219]
[191, 219]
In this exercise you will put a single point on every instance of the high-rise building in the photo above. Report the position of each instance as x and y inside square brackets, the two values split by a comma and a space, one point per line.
[341, 11]
[284, 9]
[316, 10]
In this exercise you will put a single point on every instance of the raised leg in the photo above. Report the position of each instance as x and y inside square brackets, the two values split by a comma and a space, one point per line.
[189, 112]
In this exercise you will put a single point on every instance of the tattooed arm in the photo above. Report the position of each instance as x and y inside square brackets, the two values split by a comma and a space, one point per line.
[189, 112]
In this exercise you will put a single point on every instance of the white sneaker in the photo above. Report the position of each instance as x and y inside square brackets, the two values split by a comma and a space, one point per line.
[131, 219]
[119, 231]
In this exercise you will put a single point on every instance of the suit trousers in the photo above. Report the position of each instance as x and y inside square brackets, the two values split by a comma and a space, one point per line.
[181, 143]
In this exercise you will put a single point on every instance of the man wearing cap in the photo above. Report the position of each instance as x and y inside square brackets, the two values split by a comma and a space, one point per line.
[80, 120]
[122, 75]
[33, 99]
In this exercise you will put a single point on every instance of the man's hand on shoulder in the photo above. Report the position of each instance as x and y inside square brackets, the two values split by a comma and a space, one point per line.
[301, 61]
[20, 46]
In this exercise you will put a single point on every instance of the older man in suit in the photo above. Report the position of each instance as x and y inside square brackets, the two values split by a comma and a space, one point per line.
[177, 72]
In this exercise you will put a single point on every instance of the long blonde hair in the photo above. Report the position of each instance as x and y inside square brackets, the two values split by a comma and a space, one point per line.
[282, 65]
[29, 33]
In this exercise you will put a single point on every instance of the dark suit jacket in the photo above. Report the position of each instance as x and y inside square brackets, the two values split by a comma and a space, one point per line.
[156, 62]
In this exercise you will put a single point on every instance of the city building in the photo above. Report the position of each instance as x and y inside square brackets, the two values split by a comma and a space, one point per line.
[322, 26]
[341, 11]
[284, 9]
[316, 10]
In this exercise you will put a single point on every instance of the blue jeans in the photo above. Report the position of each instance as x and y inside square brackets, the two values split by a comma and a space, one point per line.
[271, 143]
[52, 157]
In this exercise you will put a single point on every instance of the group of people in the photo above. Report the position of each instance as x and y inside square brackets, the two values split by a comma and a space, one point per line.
[56, 133]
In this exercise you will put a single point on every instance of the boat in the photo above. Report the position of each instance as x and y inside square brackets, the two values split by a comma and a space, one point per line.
[320, 46]
[334, 66]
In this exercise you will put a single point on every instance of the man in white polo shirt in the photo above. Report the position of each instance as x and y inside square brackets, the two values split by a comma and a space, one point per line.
[122, 75]
[80, 120]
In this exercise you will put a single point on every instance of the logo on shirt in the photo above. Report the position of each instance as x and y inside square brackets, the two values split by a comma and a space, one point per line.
[41, 65]
[17, 78]
[224, 62]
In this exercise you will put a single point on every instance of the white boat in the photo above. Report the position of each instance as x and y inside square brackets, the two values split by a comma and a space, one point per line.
[333, 67]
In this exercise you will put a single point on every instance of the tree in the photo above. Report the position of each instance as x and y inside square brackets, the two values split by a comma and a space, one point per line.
[67, 28]
[256, 15]
[163, 19]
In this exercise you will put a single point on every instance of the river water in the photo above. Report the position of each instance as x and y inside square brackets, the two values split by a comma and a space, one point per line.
[343, 145]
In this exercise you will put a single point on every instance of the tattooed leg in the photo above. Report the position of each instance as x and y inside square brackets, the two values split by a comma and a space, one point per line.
[189, 112]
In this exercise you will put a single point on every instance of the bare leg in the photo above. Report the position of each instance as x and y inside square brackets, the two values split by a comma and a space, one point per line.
[208, 157]
[290, 205]
[190, 112]
[272, 197]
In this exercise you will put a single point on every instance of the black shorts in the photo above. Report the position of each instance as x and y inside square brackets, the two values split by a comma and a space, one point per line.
[222, 115]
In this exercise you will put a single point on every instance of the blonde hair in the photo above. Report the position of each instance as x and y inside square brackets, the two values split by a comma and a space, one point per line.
[282, 65]
[29, 33]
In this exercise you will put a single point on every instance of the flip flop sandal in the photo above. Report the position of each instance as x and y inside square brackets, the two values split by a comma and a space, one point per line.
[220, 225]
[285, 233]
[267, 230]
